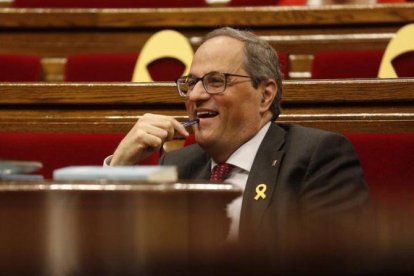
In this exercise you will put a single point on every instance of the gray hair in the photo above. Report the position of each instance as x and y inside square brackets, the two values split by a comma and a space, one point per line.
[261, 61]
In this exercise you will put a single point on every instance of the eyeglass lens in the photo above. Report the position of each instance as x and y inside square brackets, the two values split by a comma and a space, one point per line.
[213, 83]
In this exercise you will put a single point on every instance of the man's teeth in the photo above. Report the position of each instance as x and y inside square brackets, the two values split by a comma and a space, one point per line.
[205, 114]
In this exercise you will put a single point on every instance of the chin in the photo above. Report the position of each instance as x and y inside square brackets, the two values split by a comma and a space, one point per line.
[203, 140]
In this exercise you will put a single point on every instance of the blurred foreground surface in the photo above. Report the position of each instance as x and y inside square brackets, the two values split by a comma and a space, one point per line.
[180, 229]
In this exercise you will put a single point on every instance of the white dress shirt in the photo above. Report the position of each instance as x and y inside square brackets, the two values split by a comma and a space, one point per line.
[242, 160]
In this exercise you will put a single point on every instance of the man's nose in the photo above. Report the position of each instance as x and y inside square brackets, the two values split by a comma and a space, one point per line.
[198, 92]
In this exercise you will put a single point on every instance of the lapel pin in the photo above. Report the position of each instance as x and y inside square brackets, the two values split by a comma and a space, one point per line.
[274, 163]
[260, 191]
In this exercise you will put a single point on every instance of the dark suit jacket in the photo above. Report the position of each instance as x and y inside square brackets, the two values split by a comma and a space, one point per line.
[316, 178]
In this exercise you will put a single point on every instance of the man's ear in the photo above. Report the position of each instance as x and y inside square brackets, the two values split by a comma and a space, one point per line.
[269, 92]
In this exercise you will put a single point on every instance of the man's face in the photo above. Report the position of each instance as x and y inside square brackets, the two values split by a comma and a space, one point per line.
[228, 119]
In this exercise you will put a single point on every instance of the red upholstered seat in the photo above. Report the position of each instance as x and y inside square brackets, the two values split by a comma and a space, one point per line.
[56, 150]
[15, 67]
[117, 67]
[387, 160]
[166, 69]
[120, 67]
[100, 67]
[284, 64]
[346, 64]
[404, 64]
[189, 140]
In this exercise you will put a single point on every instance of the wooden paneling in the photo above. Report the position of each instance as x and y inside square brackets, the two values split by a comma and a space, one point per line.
[125, 227]
[164, 93]
[209, 17]
[297, 30]
[5, 3]
[385, 105]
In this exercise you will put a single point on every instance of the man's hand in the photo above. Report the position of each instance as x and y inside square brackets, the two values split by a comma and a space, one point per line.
[146, 136]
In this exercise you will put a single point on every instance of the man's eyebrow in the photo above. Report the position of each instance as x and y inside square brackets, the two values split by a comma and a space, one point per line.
[191, 75]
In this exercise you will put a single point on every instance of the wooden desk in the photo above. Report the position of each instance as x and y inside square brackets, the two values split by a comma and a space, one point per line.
[55, 33]
[109, 228]
[371, 105]
[139, 229]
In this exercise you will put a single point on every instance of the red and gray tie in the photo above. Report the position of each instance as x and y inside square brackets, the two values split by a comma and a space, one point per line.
[220, 172]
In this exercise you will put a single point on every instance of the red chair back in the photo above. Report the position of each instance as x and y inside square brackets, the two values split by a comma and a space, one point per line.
[100, 67]
[404, 64]
[346, 64]
[284, 65]
[56, 150]
[14, 67]
[387, 161]
[117, 67]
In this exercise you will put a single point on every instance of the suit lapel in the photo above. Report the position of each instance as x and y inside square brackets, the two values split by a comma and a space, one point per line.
[264, 171]
[203, 172]
[200, 169]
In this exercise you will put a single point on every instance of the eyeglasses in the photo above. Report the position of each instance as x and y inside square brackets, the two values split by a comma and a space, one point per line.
[213, 83]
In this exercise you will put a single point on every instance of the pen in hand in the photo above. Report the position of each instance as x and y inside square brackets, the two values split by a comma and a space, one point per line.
[191, 122]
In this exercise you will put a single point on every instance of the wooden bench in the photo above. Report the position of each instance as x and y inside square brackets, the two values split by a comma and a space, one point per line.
[300, 31]
[370, 105]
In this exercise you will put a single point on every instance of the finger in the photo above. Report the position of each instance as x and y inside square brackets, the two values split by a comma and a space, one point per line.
[150, 142]
[173, 127]
[162, 132]
[180, 129]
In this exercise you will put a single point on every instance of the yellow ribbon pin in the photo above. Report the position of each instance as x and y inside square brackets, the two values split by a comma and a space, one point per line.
[260, 191]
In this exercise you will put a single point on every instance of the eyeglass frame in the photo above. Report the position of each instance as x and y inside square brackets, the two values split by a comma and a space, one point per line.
[226, 75]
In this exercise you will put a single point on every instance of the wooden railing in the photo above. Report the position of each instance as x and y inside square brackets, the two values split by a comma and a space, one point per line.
[349, 105]
[209, 17]
[300, 31]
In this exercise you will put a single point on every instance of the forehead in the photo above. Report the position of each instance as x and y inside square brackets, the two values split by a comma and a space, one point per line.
[222, 53]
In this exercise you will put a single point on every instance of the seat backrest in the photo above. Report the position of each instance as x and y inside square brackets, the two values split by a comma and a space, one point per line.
[402, 43]
[284, 64]
[107, 67]
[163, 44]
[387, 161]
[56, 150]
[100, 67]
[16, 67]
[346, 64]
[404, 64]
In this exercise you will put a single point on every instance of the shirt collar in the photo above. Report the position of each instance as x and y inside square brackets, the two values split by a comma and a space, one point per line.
[244, 156]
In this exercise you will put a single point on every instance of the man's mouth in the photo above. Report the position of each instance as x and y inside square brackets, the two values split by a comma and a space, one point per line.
[206, 114]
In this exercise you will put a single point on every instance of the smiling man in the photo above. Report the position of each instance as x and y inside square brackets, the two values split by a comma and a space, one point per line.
[234, 87]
